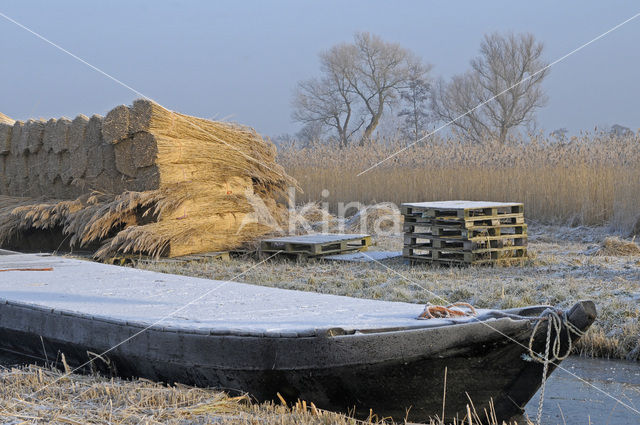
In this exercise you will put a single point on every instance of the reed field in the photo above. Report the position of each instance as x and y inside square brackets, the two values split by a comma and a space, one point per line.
[593, 179]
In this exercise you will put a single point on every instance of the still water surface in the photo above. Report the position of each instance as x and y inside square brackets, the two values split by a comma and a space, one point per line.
[574, 402]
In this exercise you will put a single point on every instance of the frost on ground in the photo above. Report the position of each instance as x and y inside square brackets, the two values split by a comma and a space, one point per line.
[566, 265]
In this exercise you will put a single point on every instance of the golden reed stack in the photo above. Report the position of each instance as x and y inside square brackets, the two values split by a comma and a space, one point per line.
[140, 180]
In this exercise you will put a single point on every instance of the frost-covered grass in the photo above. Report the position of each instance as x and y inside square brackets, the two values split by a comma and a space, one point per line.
[566, 265]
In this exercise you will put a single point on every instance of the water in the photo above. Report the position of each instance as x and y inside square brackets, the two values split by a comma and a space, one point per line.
[569, 400]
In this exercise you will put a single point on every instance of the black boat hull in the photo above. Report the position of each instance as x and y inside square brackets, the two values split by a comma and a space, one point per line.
[390, 372]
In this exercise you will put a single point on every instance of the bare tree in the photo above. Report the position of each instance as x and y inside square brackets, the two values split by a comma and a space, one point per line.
[415, 97]
[326, 102]
[509, 68]
[359, 81]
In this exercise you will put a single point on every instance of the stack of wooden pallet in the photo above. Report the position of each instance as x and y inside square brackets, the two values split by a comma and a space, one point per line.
[464, 233]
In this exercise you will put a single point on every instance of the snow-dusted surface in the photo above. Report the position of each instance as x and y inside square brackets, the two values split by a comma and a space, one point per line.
[460, 205]
[364, 257]
[187, 302]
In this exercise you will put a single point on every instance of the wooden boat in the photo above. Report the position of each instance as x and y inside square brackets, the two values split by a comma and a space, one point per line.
[341, 353]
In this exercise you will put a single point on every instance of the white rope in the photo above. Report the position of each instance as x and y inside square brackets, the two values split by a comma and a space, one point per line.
[556, 320]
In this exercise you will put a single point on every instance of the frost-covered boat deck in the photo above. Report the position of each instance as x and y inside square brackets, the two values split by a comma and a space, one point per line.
[146, 297]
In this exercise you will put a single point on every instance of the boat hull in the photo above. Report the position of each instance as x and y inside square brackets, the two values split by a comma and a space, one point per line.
[391, 372]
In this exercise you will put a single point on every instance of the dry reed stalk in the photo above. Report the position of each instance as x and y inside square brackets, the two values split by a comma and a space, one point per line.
[9, 173]
[614, 246]
[32, 136]
[5, 138]
[76, 146]
[65, 164]
[77, 131]
[124, 151]
[35, 394]
[93, 145]
[62, 132]
[5, 119]
[16, 135]
[134, 152]
[21, 177]
[52, 166]
[49, 137]
[147, 178]
[3, 175]
[116, 125]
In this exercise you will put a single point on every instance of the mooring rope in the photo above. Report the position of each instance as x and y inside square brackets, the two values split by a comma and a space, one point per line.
[440, 311]
[556, 319]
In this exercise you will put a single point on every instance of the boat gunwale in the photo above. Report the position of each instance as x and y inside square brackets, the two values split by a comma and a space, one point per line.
[326, 332]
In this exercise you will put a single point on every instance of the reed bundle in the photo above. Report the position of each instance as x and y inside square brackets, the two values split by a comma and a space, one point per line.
[5, 119]
[5, 138]
[141, 180]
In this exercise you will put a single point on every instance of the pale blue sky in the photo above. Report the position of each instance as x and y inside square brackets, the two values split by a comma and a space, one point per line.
[240, 60]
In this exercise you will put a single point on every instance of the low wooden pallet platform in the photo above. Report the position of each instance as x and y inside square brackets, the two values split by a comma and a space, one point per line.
[315, 245]
[462, 209]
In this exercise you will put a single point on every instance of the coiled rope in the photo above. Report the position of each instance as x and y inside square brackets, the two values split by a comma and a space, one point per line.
[556, 319]
[441, 312]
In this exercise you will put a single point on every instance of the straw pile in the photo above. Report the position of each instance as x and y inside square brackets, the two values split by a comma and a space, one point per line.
[140, 180]
[614, 246]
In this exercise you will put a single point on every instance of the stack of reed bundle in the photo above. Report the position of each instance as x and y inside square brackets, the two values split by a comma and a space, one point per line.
[143, 180]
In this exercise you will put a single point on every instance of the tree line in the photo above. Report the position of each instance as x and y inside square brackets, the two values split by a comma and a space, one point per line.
[362, 80]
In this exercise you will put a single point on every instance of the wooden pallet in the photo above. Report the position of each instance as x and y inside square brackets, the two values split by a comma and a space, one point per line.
[488, 254]
[456, 232]
[315, 245]
[461, 209]
[512, 261]
[505, 219]
[420, 241]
